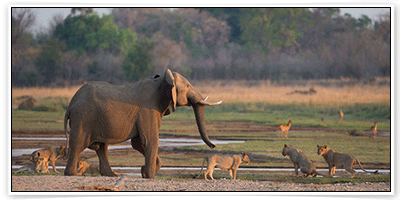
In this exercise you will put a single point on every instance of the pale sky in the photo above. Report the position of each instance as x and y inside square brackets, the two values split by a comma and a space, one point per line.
[45, 15]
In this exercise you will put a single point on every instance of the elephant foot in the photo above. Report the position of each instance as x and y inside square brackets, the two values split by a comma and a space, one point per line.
[145, 175]
[70, 174]
[108, 172]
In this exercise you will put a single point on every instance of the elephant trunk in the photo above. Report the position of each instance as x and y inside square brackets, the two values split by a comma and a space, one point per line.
[199, 114]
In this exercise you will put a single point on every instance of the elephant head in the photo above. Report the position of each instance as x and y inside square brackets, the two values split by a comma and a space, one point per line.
[184, 94]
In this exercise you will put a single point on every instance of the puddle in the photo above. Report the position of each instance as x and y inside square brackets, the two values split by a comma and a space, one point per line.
[163, 142]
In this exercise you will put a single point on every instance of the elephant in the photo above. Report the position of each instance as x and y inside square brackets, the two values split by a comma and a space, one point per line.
[101, 114]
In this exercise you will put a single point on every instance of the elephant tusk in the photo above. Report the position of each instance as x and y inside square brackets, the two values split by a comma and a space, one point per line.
[205, 98]
[210, 103]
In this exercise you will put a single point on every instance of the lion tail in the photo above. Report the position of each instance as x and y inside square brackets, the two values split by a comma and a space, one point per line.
[359, 164]
[201, 167]
[315, 172]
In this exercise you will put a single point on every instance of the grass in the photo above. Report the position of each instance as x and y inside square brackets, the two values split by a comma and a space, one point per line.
[272, 176]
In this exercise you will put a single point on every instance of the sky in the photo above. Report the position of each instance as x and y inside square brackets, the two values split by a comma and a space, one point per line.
[44, 16]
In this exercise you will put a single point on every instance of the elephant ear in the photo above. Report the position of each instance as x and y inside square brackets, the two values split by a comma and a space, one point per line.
[169, 78]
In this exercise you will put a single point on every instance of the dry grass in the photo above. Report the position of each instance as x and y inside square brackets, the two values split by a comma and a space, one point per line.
[265, 92]
[259, 91]
[43, 92]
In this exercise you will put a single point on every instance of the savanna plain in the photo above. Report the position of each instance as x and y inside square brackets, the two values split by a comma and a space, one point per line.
[249, 116]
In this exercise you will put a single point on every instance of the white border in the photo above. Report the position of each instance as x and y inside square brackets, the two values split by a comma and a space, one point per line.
[394, 62]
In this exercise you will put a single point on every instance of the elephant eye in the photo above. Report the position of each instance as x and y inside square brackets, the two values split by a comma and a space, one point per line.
[156, 76]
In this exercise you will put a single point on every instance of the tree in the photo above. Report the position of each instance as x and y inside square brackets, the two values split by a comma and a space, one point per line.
[90, 34]
[48, 62]
[21, 20]
[83, 11]
[231, 16]
[22, 47]
[137, 62]
[272, 28]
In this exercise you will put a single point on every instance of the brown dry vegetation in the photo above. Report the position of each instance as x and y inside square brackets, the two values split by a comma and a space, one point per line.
[328, 91]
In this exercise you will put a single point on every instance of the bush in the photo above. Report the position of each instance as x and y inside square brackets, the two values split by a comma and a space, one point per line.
[52, 104]
[356, 132]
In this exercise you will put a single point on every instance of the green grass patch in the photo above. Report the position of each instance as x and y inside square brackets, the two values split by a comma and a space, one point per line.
[37, 121]
[271, 176]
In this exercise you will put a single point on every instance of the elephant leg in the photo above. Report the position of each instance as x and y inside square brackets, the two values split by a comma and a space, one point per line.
[104, 166]
[76, 146]
[137, 145]
[150, 155]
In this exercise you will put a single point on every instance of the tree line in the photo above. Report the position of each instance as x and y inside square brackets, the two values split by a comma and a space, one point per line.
[200, 43]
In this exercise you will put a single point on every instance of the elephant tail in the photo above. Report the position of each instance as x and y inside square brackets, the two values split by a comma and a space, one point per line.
[201, 168]
[66, 149]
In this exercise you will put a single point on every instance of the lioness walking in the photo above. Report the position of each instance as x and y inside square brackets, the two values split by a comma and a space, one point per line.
[50, 154]
[285, 127]
[373, 128]
[339, 160]
[300, 160]
[223, 162]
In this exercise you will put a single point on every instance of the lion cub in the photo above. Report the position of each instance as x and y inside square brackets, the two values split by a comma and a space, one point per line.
[50, 154]
[223, 162]
[84, 167]
[300, 160]
[339, 160]
[38, 167]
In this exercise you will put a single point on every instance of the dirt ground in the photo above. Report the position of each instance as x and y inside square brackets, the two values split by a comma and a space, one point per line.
[130, 183]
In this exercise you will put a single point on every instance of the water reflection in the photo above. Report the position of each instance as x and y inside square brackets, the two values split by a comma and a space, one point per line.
[163, 142]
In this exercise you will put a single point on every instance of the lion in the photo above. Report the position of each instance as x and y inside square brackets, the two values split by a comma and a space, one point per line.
[339, 160]
[84, 168]
[300, 160]
[223, 162]
[50, 154]
[38, 167]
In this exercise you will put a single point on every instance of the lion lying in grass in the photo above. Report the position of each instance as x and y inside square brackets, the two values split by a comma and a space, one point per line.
[300, 160]
[38, 167]
[223, 162]
[339, 160]
[84, 168]
[50, 154]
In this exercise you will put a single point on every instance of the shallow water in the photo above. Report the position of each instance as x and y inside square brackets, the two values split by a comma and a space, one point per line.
[163, 142]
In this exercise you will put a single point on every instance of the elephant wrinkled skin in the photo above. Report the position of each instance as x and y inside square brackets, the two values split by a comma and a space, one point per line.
[100, 114]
